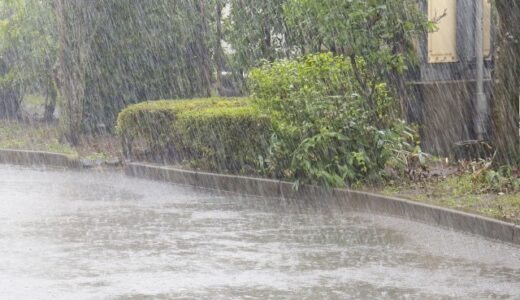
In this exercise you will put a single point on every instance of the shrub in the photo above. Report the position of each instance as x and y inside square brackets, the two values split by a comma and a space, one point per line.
[226, 139]
[325, 130]
[319, 83]
[215, 134]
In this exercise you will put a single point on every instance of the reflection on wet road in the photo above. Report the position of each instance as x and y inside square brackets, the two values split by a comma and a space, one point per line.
[91, 235]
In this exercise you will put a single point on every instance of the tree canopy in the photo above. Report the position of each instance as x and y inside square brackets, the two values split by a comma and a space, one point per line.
[96, 57]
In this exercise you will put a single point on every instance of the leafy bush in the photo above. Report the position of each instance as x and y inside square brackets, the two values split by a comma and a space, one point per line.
[325, 130]
[216, 134]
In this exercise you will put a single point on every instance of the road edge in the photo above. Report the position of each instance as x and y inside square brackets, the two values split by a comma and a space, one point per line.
[350, 199]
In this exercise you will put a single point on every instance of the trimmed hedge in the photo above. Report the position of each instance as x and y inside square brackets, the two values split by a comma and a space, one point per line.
[214, 134]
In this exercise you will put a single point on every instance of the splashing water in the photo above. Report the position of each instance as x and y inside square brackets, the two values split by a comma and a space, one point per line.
[85, 235]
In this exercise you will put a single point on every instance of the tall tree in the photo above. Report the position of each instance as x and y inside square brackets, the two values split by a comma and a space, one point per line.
[75, 37]
[379, 32]
[117, 52]
[27, 53]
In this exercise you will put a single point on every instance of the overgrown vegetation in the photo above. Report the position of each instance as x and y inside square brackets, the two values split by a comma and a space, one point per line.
[326, 129]
[474, 188]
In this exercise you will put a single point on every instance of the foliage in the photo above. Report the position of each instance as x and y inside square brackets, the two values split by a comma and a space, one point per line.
[320, 75]
[325, 130]
[115, 53]
[226, 139]
[487, 177]
[257, 30]
[497, 180]
[219, 134]
[27, 53]
[111, 53]
[380, 32]
[151, 124]
[501, 180]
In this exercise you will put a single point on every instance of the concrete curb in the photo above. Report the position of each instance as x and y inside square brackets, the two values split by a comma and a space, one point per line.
[38, 158]
[355, 200]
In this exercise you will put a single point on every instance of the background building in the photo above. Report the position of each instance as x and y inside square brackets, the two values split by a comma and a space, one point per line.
[445, 82]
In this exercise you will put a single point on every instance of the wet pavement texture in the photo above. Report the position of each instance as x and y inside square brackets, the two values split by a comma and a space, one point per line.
[102, 235]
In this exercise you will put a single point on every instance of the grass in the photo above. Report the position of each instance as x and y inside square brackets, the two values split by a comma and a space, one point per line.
[462, 192]
[39, 137]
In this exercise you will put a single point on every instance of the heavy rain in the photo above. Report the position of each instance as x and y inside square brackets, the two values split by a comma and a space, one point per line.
[259, 149]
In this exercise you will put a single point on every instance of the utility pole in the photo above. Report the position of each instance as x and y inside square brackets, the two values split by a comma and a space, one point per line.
[481, 101]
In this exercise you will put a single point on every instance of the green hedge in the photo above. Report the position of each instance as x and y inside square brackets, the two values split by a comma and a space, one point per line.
[215, 134]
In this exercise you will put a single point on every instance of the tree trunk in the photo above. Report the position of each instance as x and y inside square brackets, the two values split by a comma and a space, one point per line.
[51, 98]
[51, 93]
[73, 55]
[203, 50]
[219, 53]
[505, 119]
[10, 101]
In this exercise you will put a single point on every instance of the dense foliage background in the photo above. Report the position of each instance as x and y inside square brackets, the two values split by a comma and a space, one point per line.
[329, 74]
[103, 55]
